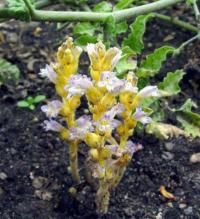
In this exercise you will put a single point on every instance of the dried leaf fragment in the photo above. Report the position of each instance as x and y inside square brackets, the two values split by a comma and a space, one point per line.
[166, 194]
[164, 131]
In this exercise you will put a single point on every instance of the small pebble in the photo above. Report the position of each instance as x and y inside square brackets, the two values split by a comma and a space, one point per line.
[167, 155]
[195, 158]
[169, 146]
[86, 111]
[39, 182]
[169, 204]
[3, 176]
[188, 210]
[182, 205]
[44, 195]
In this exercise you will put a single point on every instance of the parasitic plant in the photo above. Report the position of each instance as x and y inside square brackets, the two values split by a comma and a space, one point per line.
[114, 110]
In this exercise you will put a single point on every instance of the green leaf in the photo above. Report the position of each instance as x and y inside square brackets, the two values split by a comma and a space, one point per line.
[32, 107]
[153, 62]
[123, 4]
[191, 2]
[39, 98]
[23, 104]
[134, 40]
[170, 83]
[19, 8]
[84, 28]
[127, 63]
[188, 119]
[189, 127]
[187, 106]
[85, 39]
[121, 27]
[9, 73]
[103, 7]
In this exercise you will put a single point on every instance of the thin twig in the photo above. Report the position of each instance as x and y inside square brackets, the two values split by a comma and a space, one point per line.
[177, 22]
[186, 43]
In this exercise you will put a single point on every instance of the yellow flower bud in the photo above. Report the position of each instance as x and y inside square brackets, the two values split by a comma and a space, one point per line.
[109, 174]
[105, 153]
[107, 101]
[74, 102]
[94, 95]
[64, 134]
[94, 154]
[93, 140]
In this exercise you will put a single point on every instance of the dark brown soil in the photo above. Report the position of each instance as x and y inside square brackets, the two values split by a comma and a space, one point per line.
[35, 162]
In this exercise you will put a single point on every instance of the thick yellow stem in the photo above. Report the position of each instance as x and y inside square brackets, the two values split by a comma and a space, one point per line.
[73, 156]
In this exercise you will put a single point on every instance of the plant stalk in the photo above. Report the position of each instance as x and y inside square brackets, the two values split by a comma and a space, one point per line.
[121, 15]
[177, 22]
[73, 156]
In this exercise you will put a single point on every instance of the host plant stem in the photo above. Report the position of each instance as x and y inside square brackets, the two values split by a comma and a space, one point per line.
[121, 15]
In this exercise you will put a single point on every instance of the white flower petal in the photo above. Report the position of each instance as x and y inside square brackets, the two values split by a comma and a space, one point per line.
[49, 73]
[52, 109]
[149, 91]
[141, 116]
[77, 85]
[52, 125]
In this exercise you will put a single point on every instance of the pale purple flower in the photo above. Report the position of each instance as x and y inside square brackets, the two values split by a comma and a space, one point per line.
[49, 73]
[98, 171]
[112, 148]
[77, 85]
[107, 121]
[141, 116]
[129, 87]
[52, 109]
[84, 125]
[117, 57]
[149, 91]
[116, 109]
[130, 148]
[111, 82]
[52, 125]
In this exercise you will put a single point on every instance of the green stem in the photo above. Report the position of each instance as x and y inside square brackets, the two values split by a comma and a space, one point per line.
[42, 3]
[177, 22]
[121, 15]
[196, 11]
[183, 45]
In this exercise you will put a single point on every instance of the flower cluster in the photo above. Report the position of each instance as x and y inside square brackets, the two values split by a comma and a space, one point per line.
[114, 111]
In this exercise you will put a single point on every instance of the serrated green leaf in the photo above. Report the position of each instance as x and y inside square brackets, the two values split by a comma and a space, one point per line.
[188, 119]
[151, 65]
[85, 39]
[9, 73]
[23, 104]
[103, 7]
[39, 98]
[123, 4]
[19, 8]
[170, 83]
[189, 127]
[121, 27]
[127, 62]
[135, 38]
[187, 106]
[84, 28]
